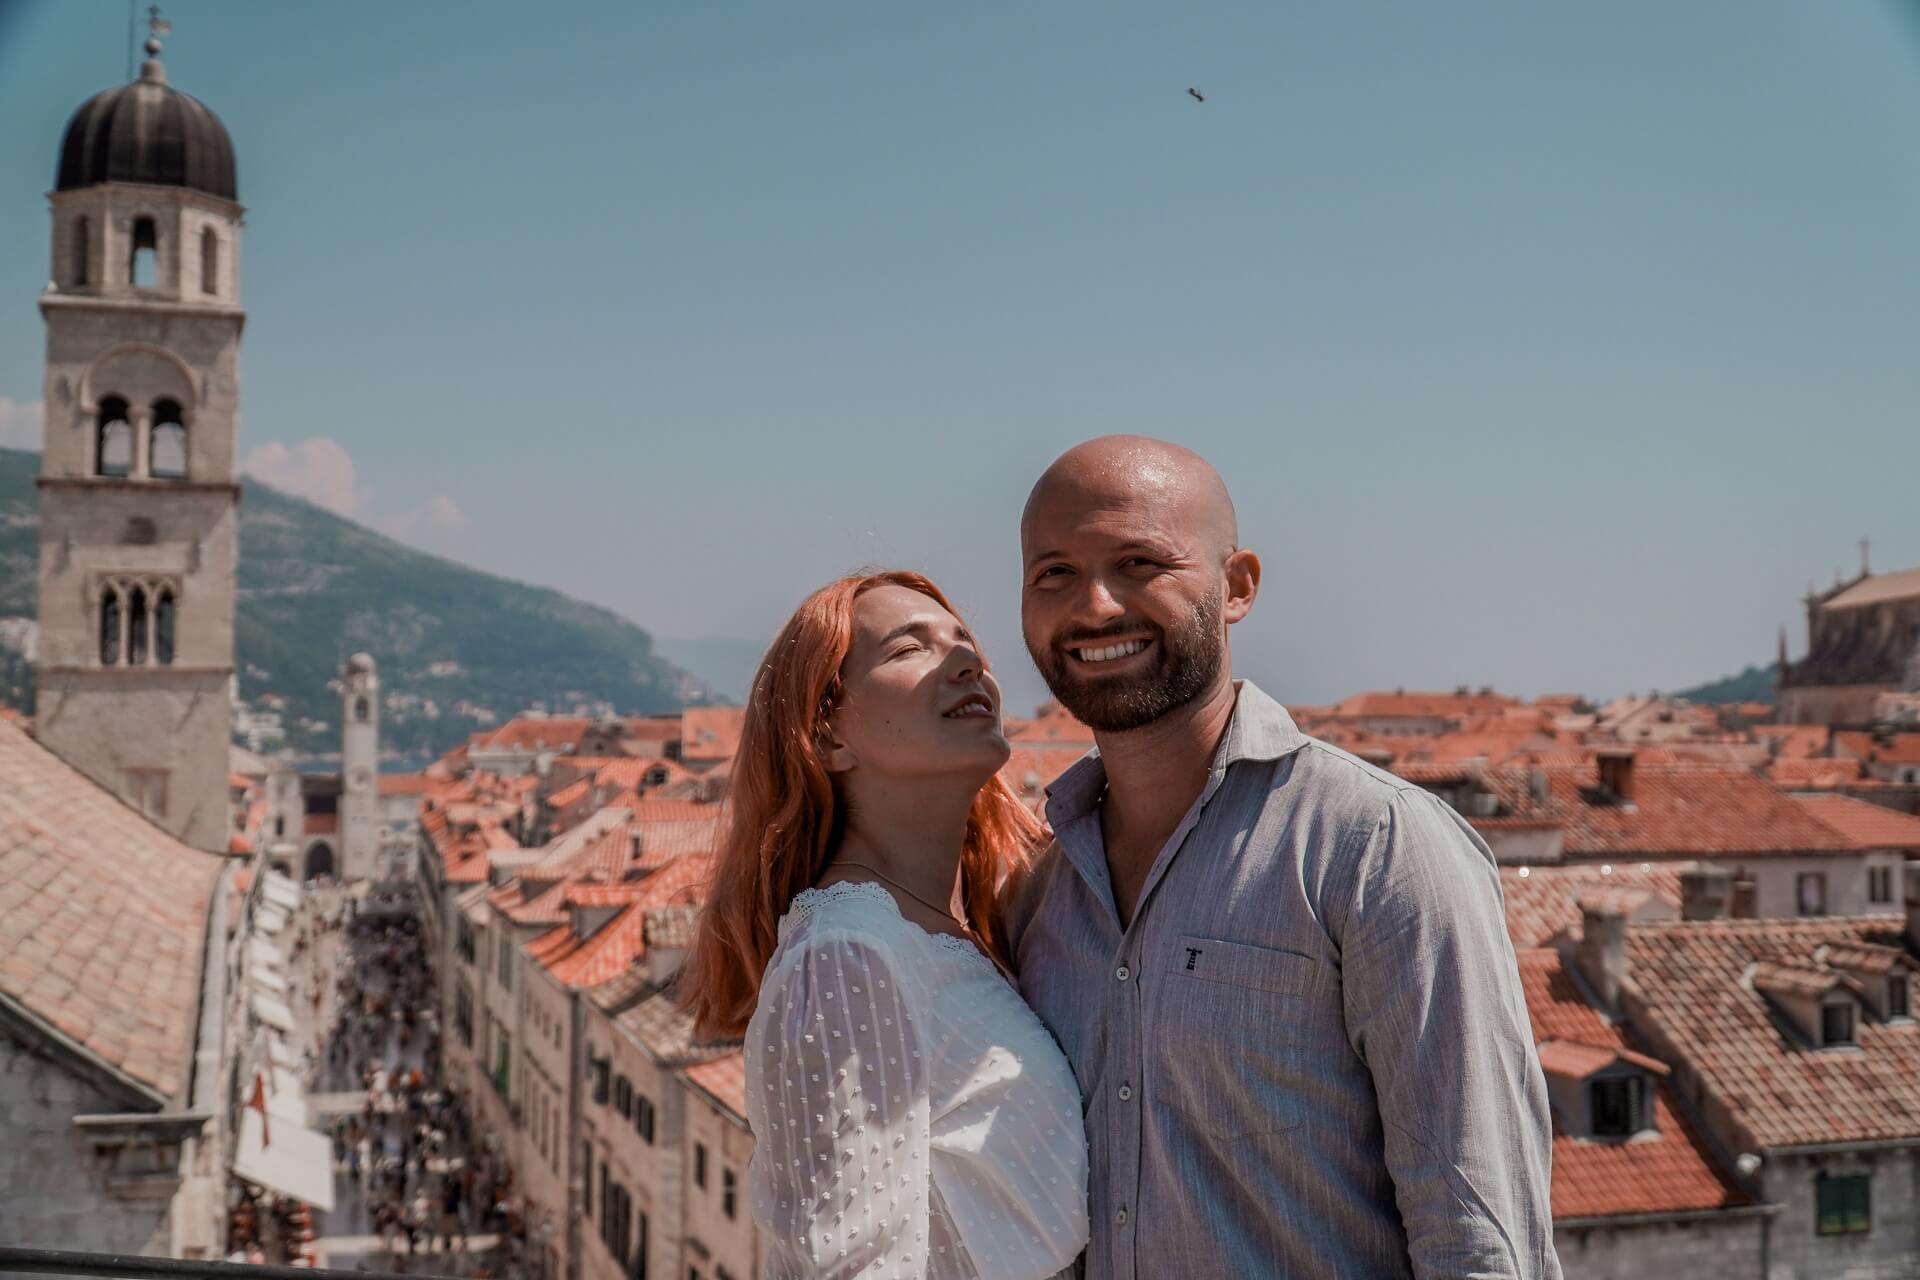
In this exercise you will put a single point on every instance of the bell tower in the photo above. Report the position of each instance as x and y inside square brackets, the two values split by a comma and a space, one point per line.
[360, 854]
[138, 495]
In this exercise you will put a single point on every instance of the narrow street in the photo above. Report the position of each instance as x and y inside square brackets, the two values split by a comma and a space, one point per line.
[411, 1191]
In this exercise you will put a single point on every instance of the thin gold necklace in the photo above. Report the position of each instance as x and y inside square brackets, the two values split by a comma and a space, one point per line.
[943, 912]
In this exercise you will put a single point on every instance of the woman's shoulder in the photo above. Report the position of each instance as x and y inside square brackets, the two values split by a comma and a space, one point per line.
[850, 918]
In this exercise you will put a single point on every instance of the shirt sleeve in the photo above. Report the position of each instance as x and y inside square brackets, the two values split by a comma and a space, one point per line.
[846, 1150]
[1434, 1008]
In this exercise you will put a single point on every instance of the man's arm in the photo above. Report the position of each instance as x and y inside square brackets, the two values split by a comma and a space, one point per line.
[1434, 1008]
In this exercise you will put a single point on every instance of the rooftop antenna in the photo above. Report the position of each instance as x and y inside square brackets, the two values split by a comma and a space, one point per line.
[1864, 570]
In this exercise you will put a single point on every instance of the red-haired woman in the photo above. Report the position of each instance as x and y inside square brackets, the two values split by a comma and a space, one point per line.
[910, 1114]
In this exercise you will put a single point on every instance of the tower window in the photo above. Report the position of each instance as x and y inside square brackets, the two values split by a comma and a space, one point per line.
[143, 267]
[163, 627]
[361, 710]
[113, 439]
[109, 627]
[137, 627]
[82, 237]
[209, 261]
[168, 457]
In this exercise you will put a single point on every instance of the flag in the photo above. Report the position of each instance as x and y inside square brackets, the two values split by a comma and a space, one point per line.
[258, 1102]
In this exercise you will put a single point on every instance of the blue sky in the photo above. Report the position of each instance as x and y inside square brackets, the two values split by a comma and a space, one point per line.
[1543, 346]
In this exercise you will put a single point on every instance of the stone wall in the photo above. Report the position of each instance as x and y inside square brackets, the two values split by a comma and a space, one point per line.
[56, 1192]
[1890, 1248]
[1728, 1247]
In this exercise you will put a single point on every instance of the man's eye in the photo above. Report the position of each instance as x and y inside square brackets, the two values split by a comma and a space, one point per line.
[1137, 562]
[1051, 571]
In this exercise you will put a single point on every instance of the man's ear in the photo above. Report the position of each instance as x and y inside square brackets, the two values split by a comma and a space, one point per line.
[836, 755]
[1243, 585]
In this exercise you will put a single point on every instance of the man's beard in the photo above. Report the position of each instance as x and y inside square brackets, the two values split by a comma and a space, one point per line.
[1187, 659]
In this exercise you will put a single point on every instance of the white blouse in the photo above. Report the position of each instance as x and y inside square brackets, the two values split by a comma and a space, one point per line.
[911, 1116]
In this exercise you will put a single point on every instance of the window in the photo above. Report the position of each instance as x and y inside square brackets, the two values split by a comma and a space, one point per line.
[82, 248]
[1810, 891]
[147, 791]
[1746, 896]
[729, 1193]
[602, 1070]
[143, 267]
[209, 261]
[463, 938]
[163, 627]
[505, 961]
[113, 439]
[167, 456]
[1843, 1205]
[502, 1062]
[463, 1015]
[137, 628]
[109, 627]
[623, 1096]
[640, 1237]
[1836, 1023]
[643, 1117]
[1897, 996]
[700, 1165]
[1618, 1106]
[1879, 884]
[586, 1176]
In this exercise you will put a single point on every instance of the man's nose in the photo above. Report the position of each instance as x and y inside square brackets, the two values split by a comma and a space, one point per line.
[1097, 606]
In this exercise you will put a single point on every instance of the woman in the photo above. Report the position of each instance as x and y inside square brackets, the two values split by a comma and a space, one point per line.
[911, 1116]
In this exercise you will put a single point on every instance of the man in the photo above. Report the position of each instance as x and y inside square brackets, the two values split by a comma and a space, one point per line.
[1282, 975]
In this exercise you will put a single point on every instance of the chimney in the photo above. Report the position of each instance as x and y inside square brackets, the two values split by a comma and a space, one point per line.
[1616, 774]
[1705, 893]
[1912, 873]
[1537, 787]
[1601, 953]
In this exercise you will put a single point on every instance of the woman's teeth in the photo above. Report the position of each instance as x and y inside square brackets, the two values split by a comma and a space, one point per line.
[1110, 652]
[971, 708]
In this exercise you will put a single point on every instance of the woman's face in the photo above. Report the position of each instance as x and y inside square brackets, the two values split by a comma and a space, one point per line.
[916, 701]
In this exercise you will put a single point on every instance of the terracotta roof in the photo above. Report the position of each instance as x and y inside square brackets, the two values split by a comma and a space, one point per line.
[1543, 903]
[1863, 957]
[1864, 825]
[671, 927]
[1677, 811]
[322, 824]
[1054, 725]
[1777, 1090]
[725, 1081]
[587, 962]
[1877, 589]
[559, 734]
[569, 795]
[1793, 741]
[1670, 1173]
[103, 918]
[404, 784]
[1578, 1060]
[1808, 982]
[659, 1025]
[1404, 705]
[1823, 774]
[711, 734]
[1893, 748]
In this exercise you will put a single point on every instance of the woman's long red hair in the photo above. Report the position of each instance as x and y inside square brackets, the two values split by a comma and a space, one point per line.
[786, 817]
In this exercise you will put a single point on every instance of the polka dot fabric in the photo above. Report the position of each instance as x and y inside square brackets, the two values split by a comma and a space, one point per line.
[911, 1116]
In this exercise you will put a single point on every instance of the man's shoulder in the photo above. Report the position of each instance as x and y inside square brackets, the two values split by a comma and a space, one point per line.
[1339, 786]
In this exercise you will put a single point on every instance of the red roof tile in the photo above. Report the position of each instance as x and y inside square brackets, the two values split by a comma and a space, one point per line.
[711, 735]
[1670, 1173]
[102, 917]
[1864, 825]
[725, 1081]
[1543, 903]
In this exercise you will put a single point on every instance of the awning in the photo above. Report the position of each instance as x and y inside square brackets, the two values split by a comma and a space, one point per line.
[269, 918]
[280, 891]
[272, 1012]
[281, 1052]
[286, 1157]
[288, 1102]
[270, 981]
[261, 953]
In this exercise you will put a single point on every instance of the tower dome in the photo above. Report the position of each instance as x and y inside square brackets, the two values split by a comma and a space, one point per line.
[147, 132]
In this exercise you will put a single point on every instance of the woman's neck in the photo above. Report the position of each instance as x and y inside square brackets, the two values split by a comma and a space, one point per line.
[910, 836]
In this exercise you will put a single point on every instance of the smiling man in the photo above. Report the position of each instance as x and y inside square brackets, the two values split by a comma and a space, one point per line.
[1281, 975]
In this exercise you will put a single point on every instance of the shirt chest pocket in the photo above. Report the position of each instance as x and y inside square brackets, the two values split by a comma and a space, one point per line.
[1240, 1027]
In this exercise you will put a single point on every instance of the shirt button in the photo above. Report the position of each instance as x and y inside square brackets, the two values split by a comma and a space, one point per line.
[1123, 973]
[1126, 1092]
[1121, 1217]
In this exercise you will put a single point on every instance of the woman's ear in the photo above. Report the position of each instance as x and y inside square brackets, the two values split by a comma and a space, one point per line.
[835, 754]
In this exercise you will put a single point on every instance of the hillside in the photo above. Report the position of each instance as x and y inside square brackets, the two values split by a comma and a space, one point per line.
[458, 649]
[1755, 684]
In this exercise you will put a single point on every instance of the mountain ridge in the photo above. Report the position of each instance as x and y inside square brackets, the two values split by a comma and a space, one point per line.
[458, 648]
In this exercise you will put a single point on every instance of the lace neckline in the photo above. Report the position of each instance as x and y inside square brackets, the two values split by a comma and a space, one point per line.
[807, 901]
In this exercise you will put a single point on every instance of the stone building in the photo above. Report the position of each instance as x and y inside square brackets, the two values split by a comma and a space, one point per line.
[349, 825]
[112, 1049]
[138, 496]
[360, 822]
[1863, 642]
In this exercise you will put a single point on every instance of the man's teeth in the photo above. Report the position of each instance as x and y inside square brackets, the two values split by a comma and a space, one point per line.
[1112, 651]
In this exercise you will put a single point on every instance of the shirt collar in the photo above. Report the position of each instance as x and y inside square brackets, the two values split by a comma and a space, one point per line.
[1260, 729]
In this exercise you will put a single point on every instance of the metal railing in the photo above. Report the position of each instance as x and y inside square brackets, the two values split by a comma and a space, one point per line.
[132, 1266]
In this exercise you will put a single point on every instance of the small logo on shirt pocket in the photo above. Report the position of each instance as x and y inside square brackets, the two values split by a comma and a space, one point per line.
[1193, 957]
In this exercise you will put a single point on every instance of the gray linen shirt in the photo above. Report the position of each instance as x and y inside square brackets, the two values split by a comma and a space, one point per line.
[1308, 1054]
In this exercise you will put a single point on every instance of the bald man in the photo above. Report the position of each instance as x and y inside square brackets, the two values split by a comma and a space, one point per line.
[1282, 975]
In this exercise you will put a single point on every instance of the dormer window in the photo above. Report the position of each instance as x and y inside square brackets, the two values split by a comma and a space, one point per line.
[1618, 1106]
[1897, 996]
[1836, 1023]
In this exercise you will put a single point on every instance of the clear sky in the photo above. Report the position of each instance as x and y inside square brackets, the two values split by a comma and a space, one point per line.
[1545, 346]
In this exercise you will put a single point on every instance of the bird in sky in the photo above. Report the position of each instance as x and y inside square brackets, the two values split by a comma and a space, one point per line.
[1195, 94]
